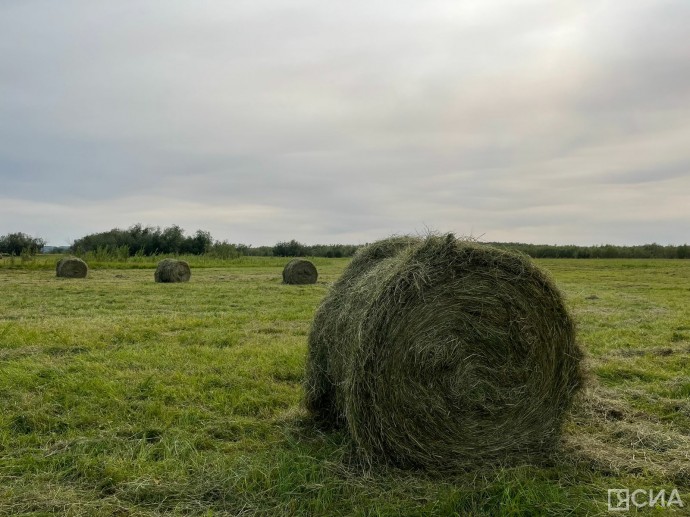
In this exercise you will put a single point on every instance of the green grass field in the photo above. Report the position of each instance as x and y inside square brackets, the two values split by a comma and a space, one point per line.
[121, 396]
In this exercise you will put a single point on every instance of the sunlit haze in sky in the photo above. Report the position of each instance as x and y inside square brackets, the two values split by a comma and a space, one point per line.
[344, 122]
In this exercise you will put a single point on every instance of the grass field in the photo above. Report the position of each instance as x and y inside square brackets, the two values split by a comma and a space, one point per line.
[120, 396]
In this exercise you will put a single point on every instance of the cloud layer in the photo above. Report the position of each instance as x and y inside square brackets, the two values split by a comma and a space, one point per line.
[538, 121]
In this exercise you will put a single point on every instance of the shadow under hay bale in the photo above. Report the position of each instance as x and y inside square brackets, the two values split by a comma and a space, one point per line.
[172, 270]
[71, 267]
[300, 271]
[443, 354]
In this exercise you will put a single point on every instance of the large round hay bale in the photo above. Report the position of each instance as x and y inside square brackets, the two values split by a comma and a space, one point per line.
[172, 270]
[443, 354]
[71, 267]
[300, 271]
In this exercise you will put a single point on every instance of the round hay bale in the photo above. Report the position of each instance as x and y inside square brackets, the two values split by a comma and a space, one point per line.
[172, 270]
[300, 271]
[443, 354]
[71, 267]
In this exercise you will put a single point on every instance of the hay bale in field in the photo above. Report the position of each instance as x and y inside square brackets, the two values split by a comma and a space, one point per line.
[172, 270]
[300, 271]
[71, 267]
[443, 354]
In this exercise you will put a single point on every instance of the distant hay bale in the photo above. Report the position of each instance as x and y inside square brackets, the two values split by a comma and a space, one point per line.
[71, 267]
[443, 354]
[172, 270]
[300, 271]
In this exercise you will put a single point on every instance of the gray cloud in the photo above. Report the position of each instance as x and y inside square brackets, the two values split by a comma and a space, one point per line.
[534, 121]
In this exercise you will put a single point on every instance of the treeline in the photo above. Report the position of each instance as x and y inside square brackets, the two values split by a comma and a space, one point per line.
[152, 240]
[603, 251]
[139, 240]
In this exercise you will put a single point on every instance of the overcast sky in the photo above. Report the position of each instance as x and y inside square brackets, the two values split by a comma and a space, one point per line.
[534, 121]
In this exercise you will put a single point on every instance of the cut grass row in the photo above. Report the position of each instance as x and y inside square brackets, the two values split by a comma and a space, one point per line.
[47, 262]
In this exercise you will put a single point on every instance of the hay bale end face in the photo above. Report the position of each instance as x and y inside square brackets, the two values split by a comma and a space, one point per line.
[172, 270]
[443, 354]
[71, 267]
[300, 271]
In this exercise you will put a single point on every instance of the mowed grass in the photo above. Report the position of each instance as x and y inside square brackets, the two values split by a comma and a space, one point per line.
[120, 396]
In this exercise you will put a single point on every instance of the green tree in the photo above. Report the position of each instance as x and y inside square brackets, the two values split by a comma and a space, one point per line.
[290, 249]
[18, 243]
